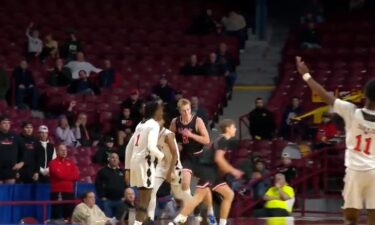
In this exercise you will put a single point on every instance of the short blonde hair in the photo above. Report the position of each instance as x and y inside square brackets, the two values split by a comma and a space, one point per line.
[183, 102]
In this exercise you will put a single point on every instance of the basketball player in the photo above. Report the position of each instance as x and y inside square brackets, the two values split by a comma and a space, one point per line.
[359, 180]
[169, 169]
[222, 168]
[141, 155]
[192, 135]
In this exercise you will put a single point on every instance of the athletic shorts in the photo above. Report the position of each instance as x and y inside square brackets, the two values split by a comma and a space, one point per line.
[142, 171]
[359, 189]
[207, 175]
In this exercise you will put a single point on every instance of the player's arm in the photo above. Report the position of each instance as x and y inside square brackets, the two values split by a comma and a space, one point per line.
[203, 136]
[152, 141]
[222, 163]
[171, 142]
[128, 157]
[314, 86]
[172, 127]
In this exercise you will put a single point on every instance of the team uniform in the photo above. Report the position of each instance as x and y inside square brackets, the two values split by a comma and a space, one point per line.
[142, 154]
[359, 189]
[192, 152]
[218, 178]
[162, 172]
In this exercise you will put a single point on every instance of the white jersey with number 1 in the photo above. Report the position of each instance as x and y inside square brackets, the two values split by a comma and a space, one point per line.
[360, 136]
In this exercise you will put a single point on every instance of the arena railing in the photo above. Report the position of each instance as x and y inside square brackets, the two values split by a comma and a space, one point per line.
[307, 172]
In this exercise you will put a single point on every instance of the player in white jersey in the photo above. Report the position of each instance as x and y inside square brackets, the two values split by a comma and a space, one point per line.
[140, 158]
[169, 169]
[359, 189]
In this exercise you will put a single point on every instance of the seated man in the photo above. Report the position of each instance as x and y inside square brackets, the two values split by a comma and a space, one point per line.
[88, 213]
[83, 85]
[25, 85]
[279, 199]
[80, 64]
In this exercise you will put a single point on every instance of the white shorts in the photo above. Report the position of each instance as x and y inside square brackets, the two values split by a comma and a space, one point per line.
[142, 171]
[359, 189]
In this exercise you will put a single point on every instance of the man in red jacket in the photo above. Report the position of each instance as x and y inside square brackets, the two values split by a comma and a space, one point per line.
[63, 174]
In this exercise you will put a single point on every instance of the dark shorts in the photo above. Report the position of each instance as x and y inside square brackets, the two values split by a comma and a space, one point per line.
[7, 173]
[208, 175]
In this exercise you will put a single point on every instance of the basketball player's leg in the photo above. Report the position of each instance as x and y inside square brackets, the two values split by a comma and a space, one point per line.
[353, 196]
[228, 195]
[152, 205]
[188, 208]
[143, 201]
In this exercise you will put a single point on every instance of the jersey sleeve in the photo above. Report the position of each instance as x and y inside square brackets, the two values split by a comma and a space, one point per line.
[345, 110]
[222, 145]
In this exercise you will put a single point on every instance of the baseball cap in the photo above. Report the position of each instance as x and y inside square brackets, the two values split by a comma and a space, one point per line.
[134, 91]
[4, 118]
[43, 129]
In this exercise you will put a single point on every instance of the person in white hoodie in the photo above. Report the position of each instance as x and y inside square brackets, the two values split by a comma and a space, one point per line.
[45, 153]
[88, 213]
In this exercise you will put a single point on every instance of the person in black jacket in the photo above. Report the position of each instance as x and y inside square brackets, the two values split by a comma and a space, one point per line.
[134, 103]
[11, 152]
[163, 90]
[30, 171]
[45, 153]
[25, 85]
[128, 204]
[262, 123]
[110, 185]
[83, 85]
[192, 67]
[60, 76]
[106, 148]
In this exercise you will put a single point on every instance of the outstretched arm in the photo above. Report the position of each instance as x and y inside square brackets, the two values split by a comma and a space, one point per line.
[314, 86]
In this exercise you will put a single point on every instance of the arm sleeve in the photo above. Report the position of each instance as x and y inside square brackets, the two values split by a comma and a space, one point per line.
[60, 134]
[21, 150]
[345, 110]
[93, 68]
[129, 152]
[152, 142]
[77, 133]
[80, 215]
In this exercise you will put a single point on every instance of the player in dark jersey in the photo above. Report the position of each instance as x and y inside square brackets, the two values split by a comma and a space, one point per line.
[222, 168]
[192, 135]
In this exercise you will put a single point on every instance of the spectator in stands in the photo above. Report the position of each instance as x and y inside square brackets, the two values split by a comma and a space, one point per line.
[225, 58]
[134, 103]
[235, 25]
[204, 23]
[259, 172]
[326, 131]
[262, 123]
[64, 134]
[25, 85]
[63, 174]
[313, 12]
[212, 67]
[4, 84]
[310, 37]
[192, 67]
[128, 204]
[60, 76]
[34, 44]
[45, 154]
[88, 213]
[83, 85]
[125, 127]
[288, 169]
[279, 199]
[172, 109]
[163, 90]
[85, 134]
[107, 76]
[50, 49]
[80, 64]
[105, 149]
[289, 114]
[199, 111]
[30, 170]
[11, 152]
[71, 47]
[110, 185]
